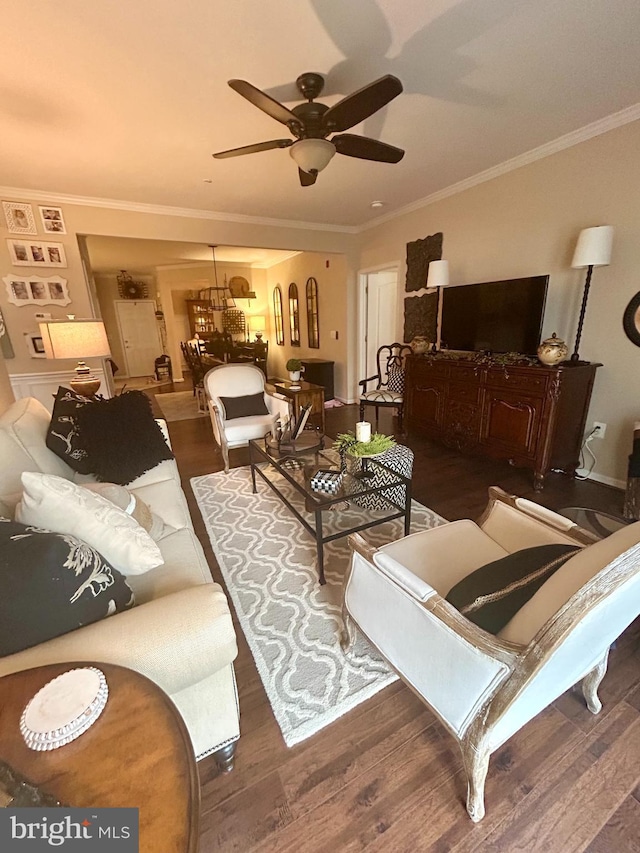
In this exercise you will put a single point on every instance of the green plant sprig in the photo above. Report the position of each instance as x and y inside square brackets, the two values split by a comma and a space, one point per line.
[379, 443]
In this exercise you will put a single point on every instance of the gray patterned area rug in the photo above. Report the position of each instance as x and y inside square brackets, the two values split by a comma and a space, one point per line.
[179, 406]
[293, 624]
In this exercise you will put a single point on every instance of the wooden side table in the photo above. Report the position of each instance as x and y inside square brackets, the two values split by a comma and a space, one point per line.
[137, 754]
[300, 395]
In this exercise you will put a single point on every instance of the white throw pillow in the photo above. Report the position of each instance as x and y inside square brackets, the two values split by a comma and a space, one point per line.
[133, 506]
[61, 506]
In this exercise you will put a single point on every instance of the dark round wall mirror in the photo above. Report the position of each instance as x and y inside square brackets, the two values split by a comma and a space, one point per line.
[631, 320]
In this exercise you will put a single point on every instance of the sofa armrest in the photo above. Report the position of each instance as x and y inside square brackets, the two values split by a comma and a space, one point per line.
[176, 641]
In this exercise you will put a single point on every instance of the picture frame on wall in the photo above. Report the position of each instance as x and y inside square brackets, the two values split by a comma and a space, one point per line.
[52, 220]
[19, 217]
[35, 344]
[36, 290]
[36, 253]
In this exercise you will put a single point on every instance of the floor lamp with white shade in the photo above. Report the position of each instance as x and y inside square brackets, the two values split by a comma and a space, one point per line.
[593, 249]
[437, 276]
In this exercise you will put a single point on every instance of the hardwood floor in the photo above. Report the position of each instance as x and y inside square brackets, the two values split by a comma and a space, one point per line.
[387, 776]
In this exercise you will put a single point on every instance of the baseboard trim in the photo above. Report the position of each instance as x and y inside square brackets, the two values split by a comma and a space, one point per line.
[608, 481]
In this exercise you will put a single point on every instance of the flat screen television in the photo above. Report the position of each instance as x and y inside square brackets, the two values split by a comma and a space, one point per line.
[494, 316]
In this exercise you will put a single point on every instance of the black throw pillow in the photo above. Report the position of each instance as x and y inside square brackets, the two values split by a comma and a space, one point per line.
[243, 407]
[121, 437]
[492, 595]
[51, 584]
[63, 435]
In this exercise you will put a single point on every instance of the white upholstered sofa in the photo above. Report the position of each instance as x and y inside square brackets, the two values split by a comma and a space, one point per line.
[482, 687]
[179, 634]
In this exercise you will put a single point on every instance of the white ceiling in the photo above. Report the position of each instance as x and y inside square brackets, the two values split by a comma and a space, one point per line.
[129, 100]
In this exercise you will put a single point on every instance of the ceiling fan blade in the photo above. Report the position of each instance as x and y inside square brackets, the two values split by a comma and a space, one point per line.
[307, 179]
[264, 102]
[361, 104]
[366, 148]
[254, 149]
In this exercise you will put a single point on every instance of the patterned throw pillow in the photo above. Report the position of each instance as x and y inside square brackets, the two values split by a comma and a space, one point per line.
[51, 584]
[63, 435]
[492, 595]
[396, 379]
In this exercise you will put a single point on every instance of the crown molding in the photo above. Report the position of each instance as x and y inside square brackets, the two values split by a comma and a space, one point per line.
[22, 194]
[582, 134]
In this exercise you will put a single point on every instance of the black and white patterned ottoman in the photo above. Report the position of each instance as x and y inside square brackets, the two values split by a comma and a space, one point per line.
[399, 458]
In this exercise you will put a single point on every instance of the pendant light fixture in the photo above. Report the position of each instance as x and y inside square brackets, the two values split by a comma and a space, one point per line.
[219, 297]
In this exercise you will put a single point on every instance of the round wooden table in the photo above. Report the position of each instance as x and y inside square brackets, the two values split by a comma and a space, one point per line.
[137, 754]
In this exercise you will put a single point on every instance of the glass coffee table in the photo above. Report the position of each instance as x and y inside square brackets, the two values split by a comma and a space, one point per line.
[288, 474]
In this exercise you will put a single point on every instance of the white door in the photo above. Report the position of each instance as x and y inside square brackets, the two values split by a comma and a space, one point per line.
[381, 301]
[140, 337]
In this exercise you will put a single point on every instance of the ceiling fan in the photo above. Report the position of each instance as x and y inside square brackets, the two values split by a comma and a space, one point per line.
[312, 123]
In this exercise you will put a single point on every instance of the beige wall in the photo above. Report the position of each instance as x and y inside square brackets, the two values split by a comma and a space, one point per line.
[6, 391]
[108, 292]
[526, 223]
[83, 219]
[333, 277]
[175, 285]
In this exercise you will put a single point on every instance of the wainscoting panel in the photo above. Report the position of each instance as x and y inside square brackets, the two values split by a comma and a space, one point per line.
[43, 386]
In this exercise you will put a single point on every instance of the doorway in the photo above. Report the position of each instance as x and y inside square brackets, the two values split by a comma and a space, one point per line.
[378, 310]
[139, 333]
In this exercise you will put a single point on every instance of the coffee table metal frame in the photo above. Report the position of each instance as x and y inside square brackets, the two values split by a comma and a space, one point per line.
[319, 502]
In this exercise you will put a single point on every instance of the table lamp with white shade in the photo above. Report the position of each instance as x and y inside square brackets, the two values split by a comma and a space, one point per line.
[437, 276]
[78, 339]
[593, 249]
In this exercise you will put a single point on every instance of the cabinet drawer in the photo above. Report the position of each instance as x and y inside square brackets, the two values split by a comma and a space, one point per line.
[467, 372]
[464, 392]
[530, 381]
[427, 369]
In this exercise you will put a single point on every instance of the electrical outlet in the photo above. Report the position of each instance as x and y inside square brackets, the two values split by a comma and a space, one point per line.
[600, 430]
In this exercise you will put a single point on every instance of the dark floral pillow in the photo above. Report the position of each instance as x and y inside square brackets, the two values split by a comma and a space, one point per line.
[63, 435]
[51, 584]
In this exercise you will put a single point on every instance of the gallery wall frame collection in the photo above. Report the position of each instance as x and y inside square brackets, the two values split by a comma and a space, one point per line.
[28, 250]
[52, 220]
[19, 217]
[36, 253]
[36, 290]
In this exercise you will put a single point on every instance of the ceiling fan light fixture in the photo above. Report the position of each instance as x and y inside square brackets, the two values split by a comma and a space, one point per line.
[312, 155]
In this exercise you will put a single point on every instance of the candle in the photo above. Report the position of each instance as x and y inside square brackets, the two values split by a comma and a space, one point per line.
[363, 431]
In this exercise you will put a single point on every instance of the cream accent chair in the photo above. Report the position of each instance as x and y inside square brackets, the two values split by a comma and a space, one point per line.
[484, 688]
[239, 380]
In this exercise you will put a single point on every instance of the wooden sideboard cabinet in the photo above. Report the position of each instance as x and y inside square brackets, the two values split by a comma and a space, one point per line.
[534, 416]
